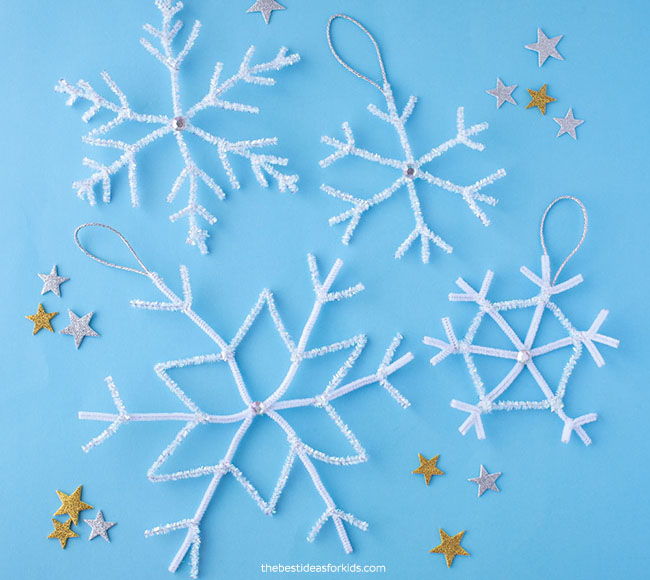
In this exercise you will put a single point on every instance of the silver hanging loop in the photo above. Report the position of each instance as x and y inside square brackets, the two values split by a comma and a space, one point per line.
[345, 64]
[584, 230]
[144, 272]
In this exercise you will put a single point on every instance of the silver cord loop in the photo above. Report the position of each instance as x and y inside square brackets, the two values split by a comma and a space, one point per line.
[145, 271]
[346, 65]
[584, 230]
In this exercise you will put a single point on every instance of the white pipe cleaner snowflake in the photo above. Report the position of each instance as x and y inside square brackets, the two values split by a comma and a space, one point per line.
[271, 407]
[411, 169]
[179, 124]
[525, 351]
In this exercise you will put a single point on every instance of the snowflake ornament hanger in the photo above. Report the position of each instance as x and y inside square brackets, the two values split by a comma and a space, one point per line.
[411, 170]
[272, 407]
[525, 351]
[179, 124]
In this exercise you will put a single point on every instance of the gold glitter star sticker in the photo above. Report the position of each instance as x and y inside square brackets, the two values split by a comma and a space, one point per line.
[42, 319]
[428, 467]
[539, 99]
[450, 546]
[72, 504]
[62, 532]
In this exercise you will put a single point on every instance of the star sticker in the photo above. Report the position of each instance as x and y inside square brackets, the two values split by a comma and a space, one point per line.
[266, 7]
[42, 319]
[503, 93]
[428, 467]
[79, 328]
[99, 526]
[568, 124]
[52, 281]
[62, 532]
[486, 481]
[450, 546]
[545, 47]
[539, 99]
[72, 504]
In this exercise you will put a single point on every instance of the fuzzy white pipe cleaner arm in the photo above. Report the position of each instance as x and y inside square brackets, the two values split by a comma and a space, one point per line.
[411, 170]
[524, 351]
[179, 123]
[226, 353]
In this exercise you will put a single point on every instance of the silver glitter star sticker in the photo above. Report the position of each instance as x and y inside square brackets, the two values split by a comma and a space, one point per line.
[503, 93]
[52, 281]
[545, 47]
[266, 7]
[79, 327]
[486, 481]
[99, 526]
[568, 124]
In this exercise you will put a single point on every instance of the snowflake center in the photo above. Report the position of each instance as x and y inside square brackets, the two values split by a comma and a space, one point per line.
[410, 171]
[179, 123]
[257, 407]
[523, 356]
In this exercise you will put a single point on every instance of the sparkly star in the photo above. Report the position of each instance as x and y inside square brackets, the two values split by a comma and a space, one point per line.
[62, 532]
[568, 124]
[79, 328]
[545, 47]
[539, 99]
[486, 481]
[72, 504]
[99, 526]
[52, 281]
[450, 546]
[428, 467]
[42, 319]
[266, 7]
[503, 93]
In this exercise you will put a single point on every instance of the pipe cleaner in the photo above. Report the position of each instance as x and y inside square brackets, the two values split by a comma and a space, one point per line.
[525, 350]
[272, 407]
[179, 124]
[410, 170]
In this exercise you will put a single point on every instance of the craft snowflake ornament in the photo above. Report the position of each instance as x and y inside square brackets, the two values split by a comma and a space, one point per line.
[524, 351]
[179, 124]
[411, 169]
[272, 407]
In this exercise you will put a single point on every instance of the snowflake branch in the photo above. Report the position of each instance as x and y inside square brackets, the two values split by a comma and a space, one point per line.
[349, 148]
[462, 137]
[247, 73]
[258, 162]
[360, 206]
[590, 336]
[469, 193]
[85, 187]
[421, 231]
[387, 367]
[192, 537]
[303, 451]
[545, 281]
[446, 348]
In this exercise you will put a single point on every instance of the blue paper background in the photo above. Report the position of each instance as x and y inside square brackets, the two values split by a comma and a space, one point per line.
[564, 510]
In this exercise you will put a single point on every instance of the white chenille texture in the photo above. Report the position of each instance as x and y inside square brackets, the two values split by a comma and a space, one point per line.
[272, 407]
[523, 352]
[411, 170]
[179, 123]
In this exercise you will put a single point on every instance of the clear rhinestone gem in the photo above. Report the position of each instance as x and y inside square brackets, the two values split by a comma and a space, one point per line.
[410, 172]
[523, 356]
[178, 123]
[257, 407]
